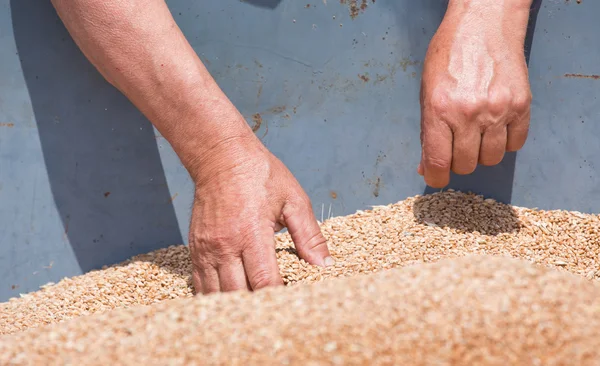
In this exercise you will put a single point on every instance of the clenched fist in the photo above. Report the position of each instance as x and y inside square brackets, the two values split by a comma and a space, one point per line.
[475, 94]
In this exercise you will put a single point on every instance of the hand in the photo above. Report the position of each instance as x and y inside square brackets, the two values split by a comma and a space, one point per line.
[245, 195]
[475, 94]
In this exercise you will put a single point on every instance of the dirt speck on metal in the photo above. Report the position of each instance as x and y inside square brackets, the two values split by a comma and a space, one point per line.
[355, 7]
[583, 76]
[278, 109]
[257, 118]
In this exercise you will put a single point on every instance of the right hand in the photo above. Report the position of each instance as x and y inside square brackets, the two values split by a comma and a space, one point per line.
[244, 195]
[475, 92]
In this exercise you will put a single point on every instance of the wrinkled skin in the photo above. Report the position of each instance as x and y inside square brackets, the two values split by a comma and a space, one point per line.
[240, 202]
[475, 93]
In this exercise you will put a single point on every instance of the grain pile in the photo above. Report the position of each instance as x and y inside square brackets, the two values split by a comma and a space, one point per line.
[419, 229]
[470, 310]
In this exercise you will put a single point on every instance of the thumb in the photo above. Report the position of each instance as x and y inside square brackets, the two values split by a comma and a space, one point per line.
[306, 233]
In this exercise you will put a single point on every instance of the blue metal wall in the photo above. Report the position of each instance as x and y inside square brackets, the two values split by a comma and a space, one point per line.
[85, 180]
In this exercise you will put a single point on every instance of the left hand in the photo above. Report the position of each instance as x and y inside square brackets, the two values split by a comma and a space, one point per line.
[475, 93]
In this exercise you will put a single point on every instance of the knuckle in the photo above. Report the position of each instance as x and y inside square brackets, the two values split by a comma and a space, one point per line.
[304, 201]
[215, 245]
[499, 101]
[437, 163]
[470, 107]
[522, 101]
[439, 102]
[316, 242]
[260, 278]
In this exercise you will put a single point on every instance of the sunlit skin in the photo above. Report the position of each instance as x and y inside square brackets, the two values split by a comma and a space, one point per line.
[475, 96]
[475, 105]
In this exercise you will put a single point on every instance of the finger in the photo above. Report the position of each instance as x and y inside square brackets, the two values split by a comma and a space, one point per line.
[209, 279]
[196, 282]
[493, 146]
[232, 276]
[517, 132]
[260, 262]
[465, 152]
[420, 168]
[437, 153]
[306, 233]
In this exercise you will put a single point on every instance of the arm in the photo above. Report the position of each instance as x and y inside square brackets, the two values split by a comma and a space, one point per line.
[138, 47]
[243, 193]
[475, 96]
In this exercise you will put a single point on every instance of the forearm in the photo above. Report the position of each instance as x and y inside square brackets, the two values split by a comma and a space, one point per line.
[490, 16]
[137, 46]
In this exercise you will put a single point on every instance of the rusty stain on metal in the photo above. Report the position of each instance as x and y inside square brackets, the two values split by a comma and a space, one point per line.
[392, 69]
[364, 77]
[278, 109]
[174, 196]
[7, 124]
[356, 6]
[377, 187]
[266, 130]
[14, 287]
[257, 118]
[106, 194]
[406, 62]
[259, 92]
[376, 183]
[582, 76]
[333, 194]
[380, 78]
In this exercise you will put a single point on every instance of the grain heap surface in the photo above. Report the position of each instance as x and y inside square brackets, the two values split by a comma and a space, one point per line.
[470, 310]
[418, 229]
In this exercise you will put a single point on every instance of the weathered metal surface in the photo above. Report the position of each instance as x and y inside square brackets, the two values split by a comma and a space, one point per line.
[332, 91]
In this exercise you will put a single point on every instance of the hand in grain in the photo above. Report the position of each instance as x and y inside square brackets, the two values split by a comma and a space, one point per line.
[242, 198]
[243, 193]
[475, 94]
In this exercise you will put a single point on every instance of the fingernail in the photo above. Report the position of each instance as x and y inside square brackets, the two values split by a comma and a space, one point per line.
[329, 262]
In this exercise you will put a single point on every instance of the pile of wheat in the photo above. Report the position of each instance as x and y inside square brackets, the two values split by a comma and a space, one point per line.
[461, 310]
